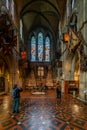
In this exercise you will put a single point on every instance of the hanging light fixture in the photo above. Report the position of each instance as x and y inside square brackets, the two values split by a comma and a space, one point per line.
[66, 37]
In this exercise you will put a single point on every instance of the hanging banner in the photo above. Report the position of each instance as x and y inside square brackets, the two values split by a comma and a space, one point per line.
[83, 63]
[74, 40]
[23, 55]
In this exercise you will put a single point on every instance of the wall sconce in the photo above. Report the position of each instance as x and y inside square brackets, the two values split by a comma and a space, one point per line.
[66, 37]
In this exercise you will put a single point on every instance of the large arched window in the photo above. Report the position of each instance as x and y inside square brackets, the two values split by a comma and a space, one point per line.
[33, 48]
[47, 49]
[40, 48]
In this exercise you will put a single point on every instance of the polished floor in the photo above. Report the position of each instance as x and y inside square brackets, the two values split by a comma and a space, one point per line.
[43, 112]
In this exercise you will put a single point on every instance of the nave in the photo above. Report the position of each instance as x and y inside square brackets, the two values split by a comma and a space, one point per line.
[43, 112]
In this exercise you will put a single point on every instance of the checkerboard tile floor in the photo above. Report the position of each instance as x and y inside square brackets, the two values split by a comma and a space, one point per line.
[43, 112]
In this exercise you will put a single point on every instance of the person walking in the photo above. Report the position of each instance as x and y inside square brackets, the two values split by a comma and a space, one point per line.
[16, 98]
[58, 90]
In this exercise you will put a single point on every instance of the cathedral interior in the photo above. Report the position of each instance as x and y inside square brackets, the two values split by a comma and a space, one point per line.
[42, 43]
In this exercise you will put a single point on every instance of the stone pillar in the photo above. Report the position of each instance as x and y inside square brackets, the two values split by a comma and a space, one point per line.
[62, 84]
[7, 89]
[83, 75]
[73, 69]
[83, 86]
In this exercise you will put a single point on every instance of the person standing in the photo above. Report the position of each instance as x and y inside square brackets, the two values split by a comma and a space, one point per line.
[45, 89]
[16, 98]
[59, 90]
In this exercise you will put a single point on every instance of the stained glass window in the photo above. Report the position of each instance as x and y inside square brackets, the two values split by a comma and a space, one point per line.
[40, 71]
[40, 46]
[33, 48]
[47, 49]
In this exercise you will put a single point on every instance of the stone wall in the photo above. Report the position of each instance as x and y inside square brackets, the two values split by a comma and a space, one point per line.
[81, 7]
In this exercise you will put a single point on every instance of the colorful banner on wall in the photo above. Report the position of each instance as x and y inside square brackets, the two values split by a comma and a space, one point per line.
[83, 63]
[74, 40]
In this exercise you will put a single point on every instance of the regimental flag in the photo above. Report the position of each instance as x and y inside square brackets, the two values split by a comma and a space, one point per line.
[83, 63]
[2, 25]
[23, 55]
[74, 40]
[7, 49]
[8, 28]
[1, 41]
[14, 43]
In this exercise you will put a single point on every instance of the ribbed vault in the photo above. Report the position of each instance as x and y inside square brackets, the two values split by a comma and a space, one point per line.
[45, 13]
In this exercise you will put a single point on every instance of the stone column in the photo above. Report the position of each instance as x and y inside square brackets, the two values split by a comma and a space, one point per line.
[83, 74]
[62, 84]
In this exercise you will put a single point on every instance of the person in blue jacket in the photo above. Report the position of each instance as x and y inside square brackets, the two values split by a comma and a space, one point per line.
[16, 98]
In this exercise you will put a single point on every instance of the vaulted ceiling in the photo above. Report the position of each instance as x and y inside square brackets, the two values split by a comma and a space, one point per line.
[44, 13]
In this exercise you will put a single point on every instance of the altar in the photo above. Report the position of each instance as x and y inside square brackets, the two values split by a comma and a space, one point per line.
[38, 93]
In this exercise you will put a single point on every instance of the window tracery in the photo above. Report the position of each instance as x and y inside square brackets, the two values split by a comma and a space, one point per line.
[40, 48]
